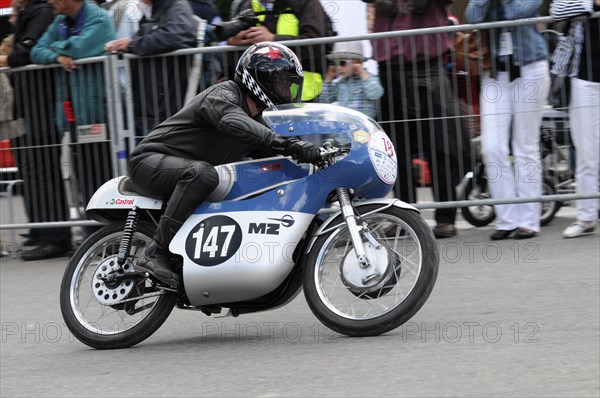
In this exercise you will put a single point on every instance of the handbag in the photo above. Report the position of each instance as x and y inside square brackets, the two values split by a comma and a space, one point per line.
[472, 51]
[566, 56]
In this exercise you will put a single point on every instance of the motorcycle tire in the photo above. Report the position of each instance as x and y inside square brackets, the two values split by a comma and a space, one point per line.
[549, 209]
[405, 240]
[106, 325]
[477, 216]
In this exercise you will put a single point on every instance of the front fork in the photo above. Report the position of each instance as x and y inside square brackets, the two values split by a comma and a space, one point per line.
[355, 229]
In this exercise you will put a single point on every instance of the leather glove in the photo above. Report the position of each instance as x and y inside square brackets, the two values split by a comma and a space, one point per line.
[303, 151]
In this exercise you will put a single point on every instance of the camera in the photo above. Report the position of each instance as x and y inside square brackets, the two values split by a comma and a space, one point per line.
[244, 20]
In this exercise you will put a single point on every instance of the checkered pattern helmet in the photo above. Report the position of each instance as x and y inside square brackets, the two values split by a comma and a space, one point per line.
[271, 74]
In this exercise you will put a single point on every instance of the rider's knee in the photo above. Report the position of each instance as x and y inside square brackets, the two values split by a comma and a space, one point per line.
[204, 173]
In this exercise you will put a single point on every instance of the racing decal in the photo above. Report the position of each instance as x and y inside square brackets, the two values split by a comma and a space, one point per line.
[361, 136]
[383, 157]
[271, 228]
[120, 202]
[213, 241]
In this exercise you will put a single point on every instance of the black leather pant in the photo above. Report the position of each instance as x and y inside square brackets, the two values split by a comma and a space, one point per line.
[183, 183]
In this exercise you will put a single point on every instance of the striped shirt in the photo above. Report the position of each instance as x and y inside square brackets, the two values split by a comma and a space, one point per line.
[355, 93]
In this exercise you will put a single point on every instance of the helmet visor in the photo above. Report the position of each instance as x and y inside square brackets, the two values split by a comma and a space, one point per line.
[288, 90]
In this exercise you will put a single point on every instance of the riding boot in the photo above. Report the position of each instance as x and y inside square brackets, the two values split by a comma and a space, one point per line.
[157, 258]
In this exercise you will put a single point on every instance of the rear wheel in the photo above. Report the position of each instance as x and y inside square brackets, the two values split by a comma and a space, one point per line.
[114, 314]
[359, 301]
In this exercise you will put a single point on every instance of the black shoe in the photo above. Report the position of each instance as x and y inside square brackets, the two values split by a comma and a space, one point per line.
[523, 233]
[442, 231]
[45, 250]
[156, 261]
[501, 234]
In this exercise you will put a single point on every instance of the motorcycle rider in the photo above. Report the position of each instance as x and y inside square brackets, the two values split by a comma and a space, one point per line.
[176, 160]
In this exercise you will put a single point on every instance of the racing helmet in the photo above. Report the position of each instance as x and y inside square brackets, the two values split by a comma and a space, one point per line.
[271, 74]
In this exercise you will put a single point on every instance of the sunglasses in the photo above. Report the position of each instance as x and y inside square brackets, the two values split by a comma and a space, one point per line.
[342, 62]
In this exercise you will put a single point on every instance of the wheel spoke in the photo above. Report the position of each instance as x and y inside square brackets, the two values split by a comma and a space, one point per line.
[87, 305]
[400, 275]
[93, 314]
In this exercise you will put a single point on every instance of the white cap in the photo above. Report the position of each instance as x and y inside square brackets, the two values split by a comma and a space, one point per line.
[347, 50]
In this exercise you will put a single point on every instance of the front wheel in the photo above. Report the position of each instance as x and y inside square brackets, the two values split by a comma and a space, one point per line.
[115, 314]
[478, 215]
[549, 209]
[358, 301]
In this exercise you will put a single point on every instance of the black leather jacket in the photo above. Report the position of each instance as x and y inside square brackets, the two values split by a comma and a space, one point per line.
[215, 127]
[172, 28]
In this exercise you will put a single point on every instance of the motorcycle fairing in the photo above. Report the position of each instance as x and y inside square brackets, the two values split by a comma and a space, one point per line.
[237, 256]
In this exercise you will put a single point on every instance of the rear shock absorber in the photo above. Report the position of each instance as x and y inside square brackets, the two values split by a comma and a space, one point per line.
[128, 232]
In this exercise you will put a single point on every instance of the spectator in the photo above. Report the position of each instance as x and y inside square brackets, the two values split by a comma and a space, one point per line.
[80, 30]
[584, 110]
[419, 109]
[521, 80]
[159, 84]
[220, 125]
[126, 15]
[348, 83]
[37, 153]
[289, 20]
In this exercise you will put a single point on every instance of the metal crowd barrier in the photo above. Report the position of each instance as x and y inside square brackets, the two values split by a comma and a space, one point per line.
[124, 96]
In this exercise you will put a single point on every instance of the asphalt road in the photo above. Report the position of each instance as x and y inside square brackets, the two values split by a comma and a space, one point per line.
[514, 318]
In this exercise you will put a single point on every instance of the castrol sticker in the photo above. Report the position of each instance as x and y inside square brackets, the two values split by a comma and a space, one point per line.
[120, 202]
[383, 157]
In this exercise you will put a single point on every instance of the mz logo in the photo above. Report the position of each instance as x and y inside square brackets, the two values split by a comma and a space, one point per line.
[271, 228]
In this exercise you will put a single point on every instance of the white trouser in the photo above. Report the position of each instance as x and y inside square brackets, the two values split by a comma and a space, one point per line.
[519, 102]
[584, 119]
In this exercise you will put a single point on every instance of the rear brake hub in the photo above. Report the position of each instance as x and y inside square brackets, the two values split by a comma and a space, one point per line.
[109, 293]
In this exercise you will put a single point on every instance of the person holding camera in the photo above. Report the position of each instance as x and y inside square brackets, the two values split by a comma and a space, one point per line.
[348, 83]
[223, 124]
[420, 109]
[280, 20]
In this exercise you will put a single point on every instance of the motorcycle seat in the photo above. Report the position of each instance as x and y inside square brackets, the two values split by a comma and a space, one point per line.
[128, 187]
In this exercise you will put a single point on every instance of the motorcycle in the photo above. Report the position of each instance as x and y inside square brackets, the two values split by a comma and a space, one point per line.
[270, 229]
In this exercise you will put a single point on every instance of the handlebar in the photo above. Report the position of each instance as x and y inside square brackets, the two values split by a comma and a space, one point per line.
[328, 153]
